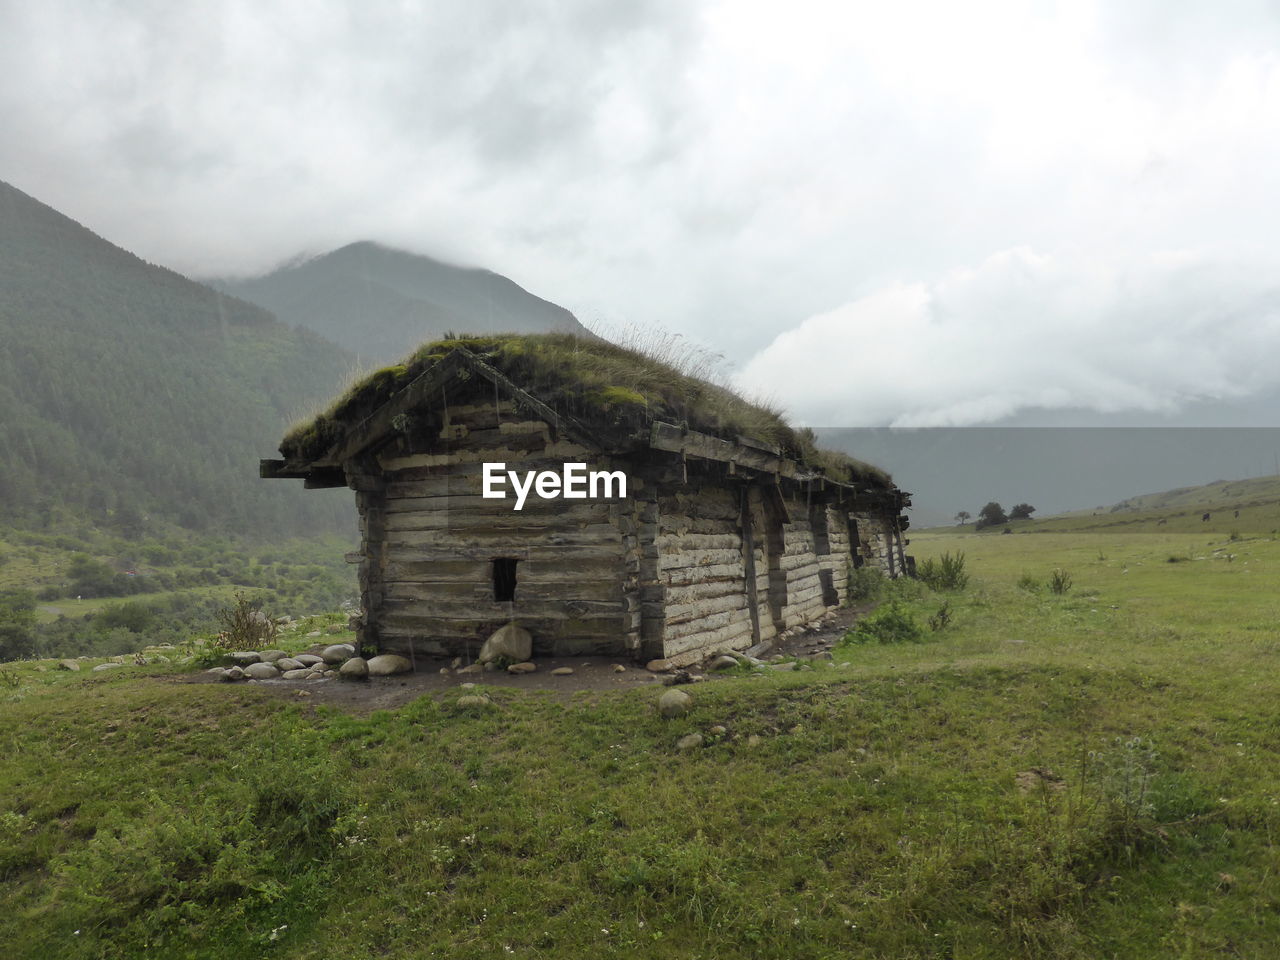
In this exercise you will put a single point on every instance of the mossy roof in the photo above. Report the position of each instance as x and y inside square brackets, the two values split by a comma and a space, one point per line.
[611, 389]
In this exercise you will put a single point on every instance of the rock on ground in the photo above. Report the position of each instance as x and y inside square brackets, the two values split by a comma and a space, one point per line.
[386, 664]
[690, 741]
[338, 652]
[674, 703]
[562, 672]
[658, 666]
[261, 671]
[285, 664]
[297, 673]
[308, 659]
[526, 667]
[68, 665]
[511, 641]
[245, 657]
[106, 666]
[271, 656]
[357, 668]
[724, 662]
[233, 673]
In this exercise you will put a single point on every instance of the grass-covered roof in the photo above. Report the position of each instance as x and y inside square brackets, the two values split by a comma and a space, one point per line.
[598, 384]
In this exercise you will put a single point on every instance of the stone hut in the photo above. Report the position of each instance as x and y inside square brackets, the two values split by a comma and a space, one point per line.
[704, 522]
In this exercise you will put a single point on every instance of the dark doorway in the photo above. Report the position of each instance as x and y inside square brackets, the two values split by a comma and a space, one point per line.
[504, 578]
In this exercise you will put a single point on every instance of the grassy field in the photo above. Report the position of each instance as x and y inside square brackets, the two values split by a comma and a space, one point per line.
[1082, 775]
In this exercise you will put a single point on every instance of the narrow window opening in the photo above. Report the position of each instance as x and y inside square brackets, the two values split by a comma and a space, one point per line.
[504, 578]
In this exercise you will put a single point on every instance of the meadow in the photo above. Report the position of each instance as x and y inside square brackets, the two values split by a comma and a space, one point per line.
[1085, 774]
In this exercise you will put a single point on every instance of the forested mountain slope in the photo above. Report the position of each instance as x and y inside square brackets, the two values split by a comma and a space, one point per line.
[128, 391]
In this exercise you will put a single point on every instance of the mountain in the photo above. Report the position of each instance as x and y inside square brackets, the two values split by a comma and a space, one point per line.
[128, 390]
[1057, 469]
[381, 303]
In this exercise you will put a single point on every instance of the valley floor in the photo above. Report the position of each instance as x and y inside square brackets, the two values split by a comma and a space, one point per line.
[1079, 775]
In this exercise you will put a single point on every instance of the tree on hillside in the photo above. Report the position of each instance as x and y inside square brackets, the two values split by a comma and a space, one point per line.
[992, 515]
[963, 516]
[17, 624]
[1022, 511]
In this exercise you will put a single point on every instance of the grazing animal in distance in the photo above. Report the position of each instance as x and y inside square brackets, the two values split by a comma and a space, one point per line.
[1204, 518]
[1236, 514]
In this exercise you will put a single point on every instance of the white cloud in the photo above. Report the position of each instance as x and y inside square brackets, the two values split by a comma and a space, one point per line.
[725, 168]
[1021, 331]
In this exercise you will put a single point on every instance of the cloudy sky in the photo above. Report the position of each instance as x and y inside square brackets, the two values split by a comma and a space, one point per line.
[920, 214]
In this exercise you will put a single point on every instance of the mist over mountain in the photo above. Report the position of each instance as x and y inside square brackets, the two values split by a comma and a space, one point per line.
[382, 303]
[128, 390]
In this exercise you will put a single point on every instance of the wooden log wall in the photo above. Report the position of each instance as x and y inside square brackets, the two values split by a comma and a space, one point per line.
[879, 544]
[430, 539]
[733, 573]
[701, 572]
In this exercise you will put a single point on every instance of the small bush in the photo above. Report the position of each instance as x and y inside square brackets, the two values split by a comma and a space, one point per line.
[944, 573]
[891, 623]
[1059, 581]
[866, 584]
[941, 618]
[1028, 583]
[244, 626]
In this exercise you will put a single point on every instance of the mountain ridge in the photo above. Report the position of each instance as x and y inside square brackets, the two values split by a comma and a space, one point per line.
[382, 302]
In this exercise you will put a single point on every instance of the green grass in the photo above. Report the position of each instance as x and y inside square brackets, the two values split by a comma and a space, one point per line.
[869, 810]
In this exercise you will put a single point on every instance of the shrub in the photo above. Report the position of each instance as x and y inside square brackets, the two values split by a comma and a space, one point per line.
[1028, 583]
[891, 623]
[244, 625]
[1059, 581]
[944, 573]
[866, 584]
[941, 618]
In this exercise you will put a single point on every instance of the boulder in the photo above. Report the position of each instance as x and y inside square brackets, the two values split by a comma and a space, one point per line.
[658, 666]
[386, 664]
[723, 662]
[690, 741]
[337, 653]
[297, 673]
[511, 642]
[233, 673]
[674, 703]
[216, 671]
[308, 659]
[106, 666]
[527, 667]
[562, 672]
[245, 657]
[285, 664]
[619, 668]
[271, 656]
[357, 668]
[261, 671]
[68, 665]
[471, 668]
